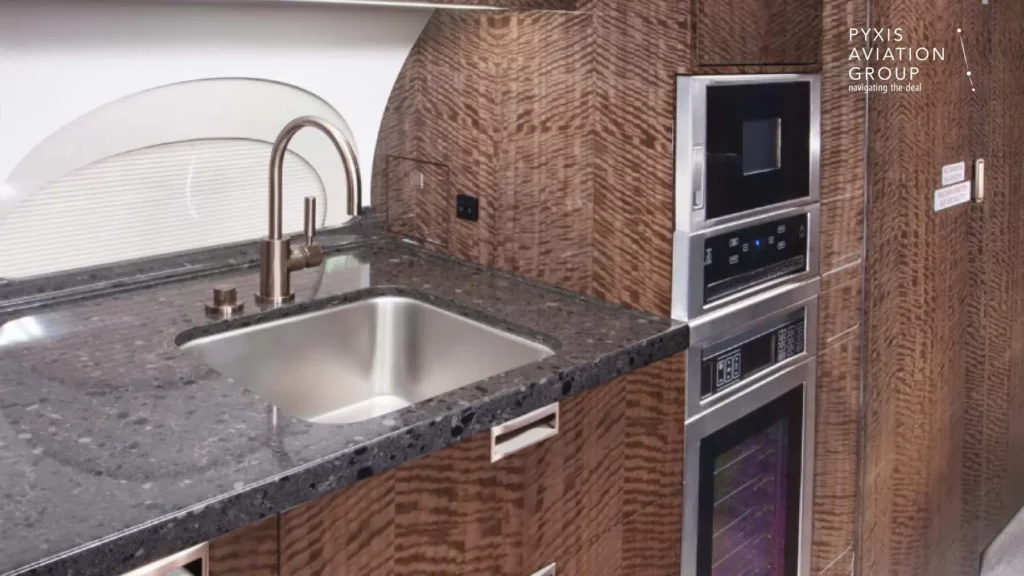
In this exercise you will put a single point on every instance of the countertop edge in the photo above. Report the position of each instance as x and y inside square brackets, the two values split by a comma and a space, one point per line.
[129, 549]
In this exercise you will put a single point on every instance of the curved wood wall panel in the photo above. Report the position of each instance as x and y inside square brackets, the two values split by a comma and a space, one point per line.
[548, 118]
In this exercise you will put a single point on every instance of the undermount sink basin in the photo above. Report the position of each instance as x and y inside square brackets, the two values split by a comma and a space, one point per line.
[364, 359]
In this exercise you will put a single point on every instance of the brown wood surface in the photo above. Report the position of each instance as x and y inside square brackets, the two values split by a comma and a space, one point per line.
[996, 439]
[919, 511]
[736, 32]
[604, 493]
[417, 199]
[843, 117]
[835, 454]
[567, 140]
[249, 551]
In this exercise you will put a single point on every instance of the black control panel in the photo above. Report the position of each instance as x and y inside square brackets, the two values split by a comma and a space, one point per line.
[743, 258]
[721, 370]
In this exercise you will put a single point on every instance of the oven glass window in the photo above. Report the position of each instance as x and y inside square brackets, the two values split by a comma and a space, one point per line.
[757, 148]
[762, 146]
[749, 508]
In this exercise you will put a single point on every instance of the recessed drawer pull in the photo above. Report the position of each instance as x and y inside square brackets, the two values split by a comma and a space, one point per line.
[192, 562]
[527, 430]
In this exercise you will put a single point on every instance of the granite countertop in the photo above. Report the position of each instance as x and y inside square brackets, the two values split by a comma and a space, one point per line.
[117, 447]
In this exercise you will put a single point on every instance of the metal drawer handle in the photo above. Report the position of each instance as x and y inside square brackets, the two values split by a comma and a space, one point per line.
[527, 430]
[194, 561]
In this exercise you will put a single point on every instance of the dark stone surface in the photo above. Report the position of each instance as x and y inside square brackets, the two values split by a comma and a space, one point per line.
[117, 447]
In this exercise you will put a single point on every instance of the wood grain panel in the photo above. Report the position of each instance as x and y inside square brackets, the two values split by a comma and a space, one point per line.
[454, 512]
[730, 32]
[655, 398]
[249, 551]
[567, 143]
[842, 231]
[760, 69]
[843, 118]
[842, 566]
[347, 533]
[548, 149]
[915, 519]
[600, 557]
[995, 433]
[633, 154]
[835, 454]
[651, 539]
[472, 97]
[1004, 443]
[430, 527]
[418, 201]
[839, 305]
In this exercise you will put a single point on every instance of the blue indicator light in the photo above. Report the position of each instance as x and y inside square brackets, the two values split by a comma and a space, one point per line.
[757, 242]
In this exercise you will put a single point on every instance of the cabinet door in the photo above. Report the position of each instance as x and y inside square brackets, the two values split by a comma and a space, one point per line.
[610, 483]
[753, 32]
[249, 551]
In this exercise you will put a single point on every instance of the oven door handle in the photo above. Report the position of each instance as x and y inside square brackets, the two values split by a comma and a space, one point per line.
[698, 177]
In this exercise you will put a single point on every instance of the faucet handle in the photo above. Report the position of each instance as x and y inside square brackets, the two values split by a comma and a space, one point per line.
[309, 206]
[309, 254]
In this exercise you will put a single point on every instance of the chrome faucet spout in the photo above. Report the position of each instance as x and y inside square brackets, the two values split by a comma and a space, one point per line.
[354, 197]
[277, 257]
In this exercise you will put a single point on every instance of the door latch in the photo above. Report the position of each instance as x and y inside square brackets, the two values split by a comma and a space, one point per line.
[979, 180]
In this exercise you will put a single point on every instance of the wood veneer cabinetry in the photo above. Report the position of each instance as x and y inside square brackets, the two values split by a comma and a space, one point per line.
[603, 497]
[752, 32]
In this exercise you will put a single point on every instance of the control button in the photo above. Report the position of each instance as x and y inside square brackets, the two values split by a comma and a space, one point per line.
[734, 242]
[771, 239]
[781, 245]
[746, 247]
[734, 259]
[781, 229]
[803, 230]
[707, 256]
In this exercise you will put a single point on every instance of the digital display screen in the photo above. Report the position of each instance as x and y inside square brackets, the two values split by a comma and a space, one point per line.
[762, 145]
[721, 370]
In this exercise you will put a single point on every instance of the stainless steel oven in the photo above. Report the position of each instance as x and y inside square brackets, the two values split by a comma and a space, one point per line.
[745, 145]
[750, 438]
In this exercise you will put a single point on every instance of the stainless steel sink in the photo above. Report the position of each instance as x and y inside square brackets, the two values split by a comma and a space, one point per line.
[364, 359]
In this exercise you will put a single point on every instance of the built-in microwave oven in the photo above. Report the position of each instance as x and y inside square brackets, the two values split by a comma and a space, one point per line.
[745, 145]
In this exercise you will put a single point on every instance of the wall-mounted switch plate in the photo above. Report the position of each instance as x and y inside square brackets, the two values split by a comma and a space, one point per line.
[467, 207]
[548, 570]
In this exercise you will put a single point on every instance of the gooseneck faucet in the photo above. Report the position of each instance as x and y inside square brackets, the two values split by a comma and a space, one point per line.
[278, 259]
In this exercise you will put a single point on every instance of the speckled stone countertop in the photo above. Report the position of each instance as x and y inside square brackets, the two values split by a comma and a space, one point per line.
[117, 447]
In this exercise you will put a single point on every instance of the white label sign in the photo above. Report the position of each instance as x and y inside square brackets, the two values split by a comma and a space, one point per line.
[953, 173]
[952, 195]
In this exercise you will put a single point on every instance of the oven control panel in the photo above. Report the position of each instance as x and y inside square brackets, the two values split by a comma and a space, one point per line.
[723, 369]
[749, 256]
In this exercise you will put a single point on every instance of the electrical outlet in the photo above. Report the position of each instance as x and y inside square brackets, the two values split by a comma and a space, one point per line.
[467, 207]
[548, 570]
